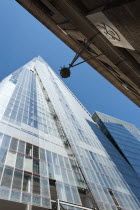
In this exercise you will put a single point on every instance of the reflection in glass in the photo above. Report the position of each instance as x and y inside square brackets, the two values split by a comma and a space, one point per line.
[7, 177]
[35, 166]
[17, 180]
[6, 141]
[36, 200]
[51, 171]
[35, 152]
[15, 196]
[19, 161]
[13, 145]
[26, 198]
[68, 193]
[27, 182]
[43, 168]
[28, 164]
[3, 153]
[45, 191]
[36, 185]
[42, 154]
[21, 147]
[28, 149]
[11, 159]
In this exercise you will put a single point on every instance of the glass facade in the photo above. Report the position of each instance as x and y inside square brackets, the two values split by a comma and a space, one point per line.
[50, 148]
[125, 135]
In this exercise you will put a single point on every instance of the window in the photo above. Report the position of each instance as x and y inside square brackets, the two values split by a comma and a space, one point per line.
[61, 161]
[6, 141]
[1, 135]
[15, 196]
[51, 171]
[28, 149]
[49, 156]
[42, 154]
[7, 177]
[35, 152]
[58, 175]
[55, 158]
[26, 198]
[3, 153]
[19, 161]
[27, 182]
[17, 180]
[36, 185]
[36, 200]
[43, 168]
[1, 169]
[75, 195]
[21, 147]
[11, 159]
[28, 164]
[68, 193]
[45, 187]
[13, 145]
[61, 191]
[64, 175]
[35, 166]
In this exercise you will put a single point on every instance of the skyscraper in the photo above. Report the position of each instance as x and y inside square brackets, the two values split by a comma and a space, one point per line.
[52, 154]
[124, 135]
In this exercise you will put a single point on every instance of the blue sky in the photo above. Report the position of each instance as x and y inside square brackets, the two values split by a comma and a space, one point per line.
[22, 38]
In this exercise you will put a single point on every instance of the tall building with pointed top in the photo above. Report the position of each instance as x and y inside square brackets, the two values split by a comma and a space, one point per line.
[52, 154]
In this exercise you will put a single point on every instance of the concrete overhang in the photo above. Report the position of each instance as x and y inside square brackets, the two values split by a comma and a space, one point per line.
[113, 29]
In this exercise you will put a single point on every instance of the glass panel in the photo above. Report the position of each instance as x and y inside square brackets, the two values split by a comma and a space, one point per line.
[75, 195]
[46, 203]
[13, 145]
[61, 161]
[3, 153]
[35, 152]
[45, 190]
[1, 169]
[43, 168]
[58, 175]
[42, 154]
[17, 180]
[36, 200]
[49, 156]
[11, 159]
[27, 182]
[26, 198]
[28, 164]
[19, 162]
[67, 164]
[68, 193]
[35, 166]
[7, 177]
[50, 169]
[55, 158]
[21, 147]
[71, 177]
[6, 141]
[15, 196]
[61, 191]
[64, 175]
[4, 193]
[1, 136]
[28, 149]
[36, 184]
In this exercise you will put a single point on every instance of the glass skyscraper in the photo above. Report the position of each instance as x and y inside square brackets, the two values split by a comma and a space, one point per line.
[52, 154]
[125, 136]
